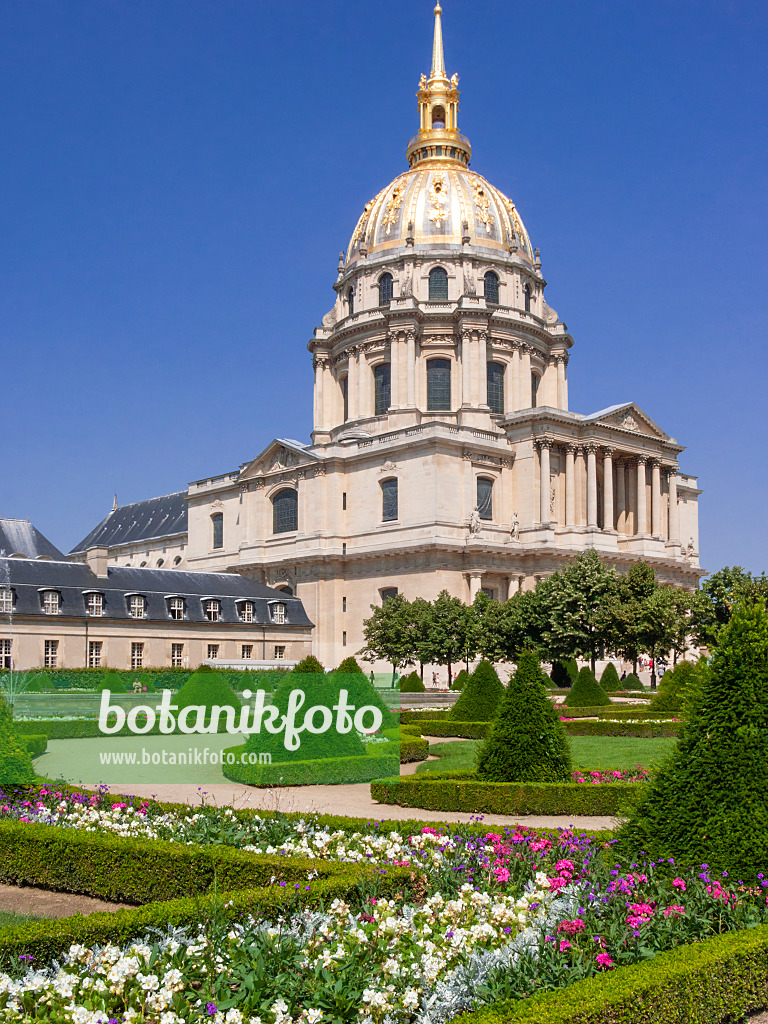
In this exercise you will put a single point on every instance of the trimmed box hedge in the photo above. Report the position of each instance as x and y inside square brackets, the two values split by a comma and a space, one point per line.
[659, 730]
[631, 712]
[720, 979]
[414, 717]
[326, 771]
[460, 730]
[413, 748]
[35, 744]
[461, 791]
[596, 712]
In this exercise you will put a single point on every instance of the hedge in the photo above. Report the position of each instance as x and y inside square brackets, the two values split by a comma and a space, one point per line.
[720, 979]
[593, 712]
[461, 730]
[419, 716]
[325, 771]
[413, 748]
[78, 729]
[460, 791]
[659, 730]
[162, 678]
[632, 712]
[35, 744]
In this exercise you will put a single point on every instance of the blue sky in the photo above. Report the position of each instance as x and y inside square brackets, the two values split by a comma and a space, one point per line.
[179, 177]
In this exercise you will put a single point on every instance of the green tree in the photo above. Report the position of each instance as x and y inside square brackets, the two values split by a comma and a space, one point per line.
[624, 615]
[521, 624]
[576, 605]
[485, 629]
[449, 632]
[656, 625]
[419, 628]
[388, 635]
[527, 742]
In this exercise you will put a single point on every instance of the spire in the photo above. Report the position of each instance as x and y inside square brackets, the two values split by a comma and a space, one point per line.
[438, 139]
[438, 60]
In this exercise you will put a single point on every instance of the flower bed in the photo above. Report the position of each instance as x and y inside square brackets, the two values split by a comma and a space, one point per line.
[460, 922]
[461, 791]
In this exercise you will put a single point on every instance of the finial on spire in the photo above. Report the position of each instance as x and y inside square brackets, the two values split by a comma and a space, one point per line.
[114, 504]
[438, 58]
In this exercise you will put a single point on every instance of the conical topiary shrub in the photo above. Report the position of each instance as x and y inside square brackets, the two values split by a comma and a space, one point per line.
[113, 683]
[572, 668]
[460, 680]
[348, 666]
[609, 680]
[560, 676]
[547, 682]
[671, 694]
[480, 698]
[361, 693]
[206, 688]
[631, 682]
[527, 742]
[708, 802]
[15, 763]
[586, 692]
[308, 666]
[412, 684]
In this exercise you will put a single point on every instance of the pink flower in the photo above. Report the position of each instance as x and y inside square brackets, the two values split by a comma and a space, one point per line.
[571, 927]
[557, 883]
[564, 865]
[565, 944]
[502, 874]
[678, 883]
[604, 961]
[674, 908]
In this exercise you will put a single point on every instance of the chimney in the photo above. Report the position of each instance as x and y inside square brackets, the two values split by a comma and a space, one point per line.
[97, 558]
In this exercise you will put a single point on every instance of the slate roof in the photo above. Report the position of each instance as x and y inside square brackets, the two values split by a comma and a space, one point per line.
[143, 520]
[74, 580]
[19, 537]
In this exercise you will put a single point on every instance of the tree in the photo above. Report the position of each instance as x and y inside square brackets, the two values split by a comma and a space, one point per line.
[576, 606]
[485, 628]
[657, 625]
[449, 630]
[527, 742]
[521, 624]
[719, 595]
[624, 615]
[419, 627]
[388, 635]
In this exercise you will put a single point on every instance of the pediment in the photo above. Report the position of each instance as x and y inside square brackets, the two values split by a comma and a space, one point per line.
[277, 457]
[628, 417]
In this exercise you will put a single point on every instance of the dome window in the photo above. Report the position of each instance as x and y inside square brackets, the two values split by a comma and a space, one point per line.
[351, 301]
[386, 287]
[534, 389]
[382, 382]
[438, 117]
[217, 526]
[527, 295]
[344, 386]
[495, 389]
[438, 284]
[438, 385]
[285, 511]
[491, 289]
[389, 509]
[485, 497]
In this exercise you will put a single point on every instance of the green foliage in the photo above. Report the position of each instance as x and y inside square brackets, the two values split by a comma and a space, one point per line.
[609, 680]
[349, 666]
[572, 668]
[708, 802]
[461, 791]
[308, 666]
[35, 743]
[660, 730]
[113, 683]
[208, 689]
[451, 631]
[575, 605]
[460, 680]
[416, 716]
[388, 633]
[362, 693]
[560, 677]
[673, 686]
[631, 682]
[527, 741]
[461, 730]
[587, 692]
[15, 762]
[326, 771]
[480, 698]
[412, 684]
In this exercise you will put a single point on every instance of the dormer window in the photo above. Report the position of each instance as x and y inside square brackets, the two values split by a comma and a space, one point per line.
[6, 600]
[351, 301]
[95, 605]
[137, 606]
[212, 609]
[278, 614]
[176, 608]
[246, 611]
[51, 602]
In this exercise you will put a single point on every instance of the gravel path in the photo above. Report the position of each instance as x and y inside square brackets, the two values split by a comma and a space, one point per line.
[24, 899]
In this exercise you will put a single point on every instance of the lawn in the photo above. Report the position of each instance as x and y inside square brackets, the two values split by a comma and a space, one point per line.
[586, 751]
[9, 920]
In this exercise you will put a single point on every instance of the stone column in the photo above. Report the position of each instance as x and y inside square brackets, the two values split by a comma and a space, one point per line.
[352, 387]
[656, 498]
[525, 377]
[481, 369]
[607, 489]
[641, 525]
[466, 368]
[570, 485]
[513, 586]
[674, 513]
[475, 584]
[318, 366]
[365, 385]
[591, 485]
[544, 513]
[562, 395]
[394, 372]
[411, 363]
[621, 498]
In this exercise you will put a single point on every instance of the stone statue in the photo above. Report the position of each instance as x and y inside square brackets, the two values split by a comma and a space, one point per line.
[454, 81]
[515, 526]
[474, 520]
[423, 82]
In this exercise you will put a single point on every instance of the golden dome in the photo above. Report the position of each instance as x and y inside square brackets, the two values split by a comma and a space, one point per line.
[439, 205]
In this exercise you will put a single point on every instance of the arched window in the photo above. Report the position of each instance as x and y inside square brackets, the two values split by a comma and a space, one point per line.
[386, 287]
[534, 389]
[495, 394]
[285, 511]
[438, 117]
[388, 500]
[350, 301]
[344, 385]
[491, 281]
[438, 284]
[382, 383]
[160, 563]
[438, 385]
[485, 497]
[527, 295]
[387, 593]
[285, 590]
[217, 524]
[177, 561]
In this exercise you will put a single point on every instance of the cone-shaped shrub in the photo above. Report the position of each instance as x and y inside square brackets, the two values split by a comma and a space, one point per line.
[460, 680]
[609, 680]
[708, 802]
[631, 682]
[113, 683]
[207, 689]
[673, 685]
[361, 693]
[546, 681]
[527, 741]
[348, 666]
[586, 692]
[412, 684]
[308, 666]
[15, 763]
[560, 676]
[572, 669]
[480, 698]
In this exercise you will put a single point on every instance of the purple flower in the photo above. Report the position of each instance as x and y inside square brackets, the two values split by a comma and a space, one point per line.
[211, 1009]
